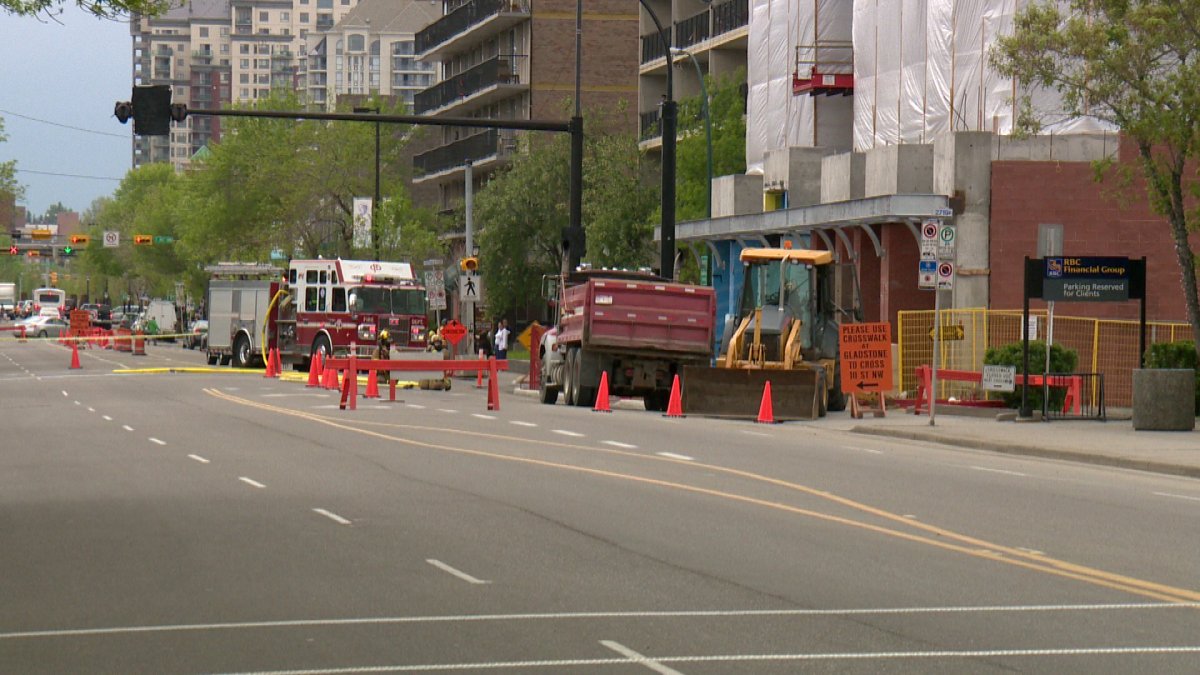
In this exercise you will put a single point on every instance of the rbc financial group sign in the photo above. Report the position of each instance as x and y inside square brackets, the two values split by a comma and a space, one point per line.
[1087, 279]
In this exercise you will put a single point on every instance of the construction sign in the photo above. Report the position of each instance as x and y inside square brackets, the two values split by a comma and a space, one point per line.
[453, 331]
[866, 357]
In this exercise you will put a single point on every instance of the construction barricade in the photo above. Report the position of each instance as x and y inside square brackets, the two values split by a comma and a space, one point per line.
[353, 365]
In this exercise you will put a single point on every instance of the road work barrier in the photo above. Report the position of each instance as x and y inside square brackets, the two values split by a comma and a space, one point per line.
[354, 365]
[1072, 383]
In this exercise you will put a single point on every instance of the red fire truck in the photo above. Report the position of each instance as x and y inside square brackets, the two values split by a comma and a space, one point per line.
[318, 305]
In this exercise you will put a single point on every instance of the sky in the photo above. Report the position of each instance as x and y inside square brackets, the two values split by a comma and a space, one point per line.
[58, 83]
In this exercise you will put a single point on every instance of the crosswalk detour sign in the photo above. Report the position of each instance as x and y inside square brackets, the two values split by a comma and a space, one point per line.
[865, 350]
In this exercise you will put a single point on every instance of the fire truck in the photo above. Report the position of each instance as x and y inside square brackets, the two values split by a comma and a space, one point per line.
[315, 306]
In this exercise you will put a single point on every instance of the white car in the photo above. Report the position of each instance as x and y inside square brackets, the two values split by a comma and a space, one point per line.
[42, 326]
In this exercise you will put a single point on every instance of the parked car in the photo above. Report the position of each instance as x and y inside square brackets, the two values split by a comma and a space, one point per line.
[43, 326]
[197, 337]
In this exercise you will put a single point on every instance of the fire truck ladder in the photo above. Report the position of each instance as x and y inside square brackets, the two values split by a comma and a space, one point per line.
[826, 67]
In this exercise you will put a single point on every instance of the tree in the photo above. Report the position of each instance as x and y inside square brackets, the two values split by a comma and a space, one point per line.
[1136, 64]
[727, 109]
[9, 187]
[105, 9]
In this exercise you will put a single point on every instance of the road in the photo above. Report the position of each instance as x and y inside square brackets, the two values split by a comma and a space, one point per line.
[223, 522]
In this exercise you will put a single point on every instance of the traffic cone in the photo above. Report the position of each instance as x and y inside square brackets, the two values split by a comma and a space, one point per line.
[314, 371]
[329, 377]
[75, 357]
[602, 395]
[675, 404]
[372, 385]
[270, 371]
[766, 413]
[278, 370]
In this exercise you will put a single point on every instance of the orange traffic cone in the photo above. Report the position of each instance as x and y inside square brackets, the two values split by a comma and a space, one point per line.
[270, 371]
[372, 385]
[766, 412]
[75, 357]
[675, 404]
[314, 371]
[602, 395]
[329, 377]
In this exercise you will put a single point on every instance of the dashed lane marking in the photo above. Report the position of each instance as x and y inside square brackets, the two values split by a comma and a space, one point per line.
[332, 516]
[522, 424]
[640, 659]
[447, 410]
[619, 444]
[564, 432]
[107, 418]
[458, 573]
[672, 455]
[483, 417]
[1168, 494]
[126, 427]
[156, 441]
[251, 482]
[198, 458]
[1007, 473]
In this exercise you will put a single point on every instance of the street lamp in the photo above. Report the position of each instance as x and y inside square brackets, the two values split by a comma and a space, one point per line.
[375, 202]
[669, 110]
[676, 51]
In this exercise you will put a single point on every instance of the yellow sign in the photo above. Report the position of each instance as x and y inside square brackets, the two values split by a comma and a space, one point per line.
[143, 240]
[866, 357]
[80, 239]
[524, 337]
[41, 234]
[951, 332]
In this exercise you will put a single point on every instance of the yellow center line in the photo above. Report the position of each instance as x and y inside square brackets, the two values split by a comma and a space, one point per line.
[967, 545]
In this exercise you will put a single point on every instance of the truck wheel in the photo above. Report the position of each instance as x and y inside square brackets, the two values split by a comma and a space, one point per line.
[656, 401]
[322, 346]
[243, 355]
[837, 397]
[547, 394]
[568, 377]
[213, 358]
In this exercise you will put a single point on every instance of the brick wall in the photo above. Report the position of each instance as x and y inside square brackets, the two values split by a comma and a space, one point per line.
[1097, 219]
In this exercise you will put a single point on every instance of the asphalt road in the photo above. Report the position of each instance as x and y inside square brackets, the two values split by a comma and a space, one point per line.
[198, 523]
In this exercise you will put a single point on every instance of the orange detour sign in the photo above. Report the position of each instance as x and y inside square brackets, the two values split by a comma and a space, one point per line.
[866, 356]
[453, 332]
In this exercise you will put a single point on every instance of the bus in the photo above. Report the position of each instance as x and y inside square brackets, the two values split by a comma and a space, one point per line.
[49, 302]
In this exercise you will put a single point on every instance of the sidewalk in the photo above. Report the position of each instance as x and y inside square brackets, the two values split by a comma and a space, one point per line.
[1111, 443]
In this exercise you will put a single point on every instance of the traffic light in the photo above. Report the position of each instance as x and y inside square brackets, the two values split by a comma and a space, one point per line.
[469, 264]
[33, 253]
[143, 240]
[80, 239]
[67, 250]
[151, 110]
[54, 278]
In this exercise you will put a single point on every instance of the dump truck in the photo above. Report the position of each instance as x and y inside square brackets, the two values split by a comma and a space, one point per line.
[640, 329]
[785, 331]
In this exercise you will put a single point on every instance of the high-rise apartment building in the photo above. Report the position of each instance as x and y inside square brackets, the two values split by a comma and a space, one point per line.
[514, 59]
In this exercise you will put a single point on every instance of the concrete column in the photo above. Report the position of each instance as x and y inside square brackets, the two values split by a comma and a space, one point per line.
[963, 166]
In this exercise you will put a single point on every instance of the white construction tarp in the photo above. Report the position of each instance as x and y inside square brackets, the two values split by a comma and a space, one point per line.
[922, 68]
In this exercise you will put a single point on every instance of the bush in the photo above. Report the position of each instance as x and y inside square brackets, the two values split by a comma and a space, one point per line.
[1175, 355]
[1062, 360]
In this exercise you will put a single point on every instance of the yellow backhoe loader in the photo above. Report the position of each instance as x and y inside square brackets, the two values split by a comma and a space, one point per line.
[784, 331]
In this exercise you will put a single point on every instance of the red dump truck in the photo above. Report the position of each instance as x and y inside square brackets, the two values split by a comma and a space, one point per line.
[639, 328]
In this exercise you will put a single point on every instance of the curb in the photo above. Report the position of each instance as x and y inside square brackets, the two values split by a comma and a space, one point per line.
[1031, 451]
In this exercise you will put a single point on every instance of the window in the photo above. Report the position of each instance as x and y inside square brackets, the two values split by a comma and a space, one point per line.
[264, 16]
[339, 299]
[310, 277]
[204, 31]
[285, 16]
[244, 63]
[355, 43]
[243, 48]
[303, 17]
[225, 48]
[311, 298]
[244, 78]
[224, 31]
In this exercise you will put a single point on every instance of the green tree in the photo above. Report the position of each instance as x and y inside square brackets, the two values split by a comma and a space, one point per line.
[9, 187]
[1136, 64]
[727, 111]
[105, 9]
[522, 211]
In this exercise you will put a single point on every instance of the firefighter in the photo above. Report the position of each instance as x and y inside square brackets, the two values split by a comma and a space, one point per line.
[384, 352]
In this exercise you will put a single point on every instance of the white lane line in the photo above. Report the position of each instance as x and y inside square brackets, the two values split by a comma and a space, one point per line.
[522, 424]
[564, 432]
[155, 440]
[483, 417]
[458, 573]
[64, 392]
[577, 616]
[106, 418]
[870, 450]
[675, 456]
[332, 516]
[198, 458]
[126, 427]
[91, 410]
[1168, 494]
[1007, 473]
[78, 403]
[755, 433]
[251, 481]
[447, 410]
[639, 659]
[619, 444]
[416, 406]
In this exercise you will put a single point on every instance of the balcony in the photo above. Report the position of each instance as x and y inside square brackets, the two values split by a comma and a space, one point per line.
[324, 22]
[201, 58]
[476, 149]
[692, 30]
[491, 80]
[652, 47]
[729, 16]
[469, 24]
[650, 125]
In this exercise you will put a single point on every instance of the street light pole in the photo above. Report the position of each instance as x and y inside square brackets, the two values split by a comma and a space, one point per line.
[707, 125]
[669, 114]
[374, 202]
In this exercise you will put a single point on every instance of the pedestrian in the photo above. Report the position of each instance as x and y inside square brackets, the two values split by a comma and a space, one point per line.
[384, 353]
[502, 340]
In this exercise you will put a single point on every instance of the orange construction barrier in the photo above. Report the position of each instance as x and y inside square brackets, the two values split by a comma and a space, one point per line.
[139, 344]
[493, 388]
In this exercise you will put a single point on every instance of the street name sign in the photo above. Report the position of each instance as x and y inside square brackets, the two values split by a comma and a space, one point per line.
[866, 357]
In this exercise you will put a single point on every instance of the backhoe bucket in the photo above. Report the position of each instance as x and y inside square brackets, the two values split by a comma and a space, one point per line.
[737, 393]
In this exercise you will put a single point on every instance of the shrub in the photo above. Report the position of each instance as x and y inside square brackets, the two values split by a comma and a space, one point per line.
[1062, 360]
[1175, 355]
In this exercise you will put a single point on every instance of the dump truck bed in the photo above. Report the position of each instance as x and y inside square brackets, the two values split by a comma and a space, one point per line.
[639, 316]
